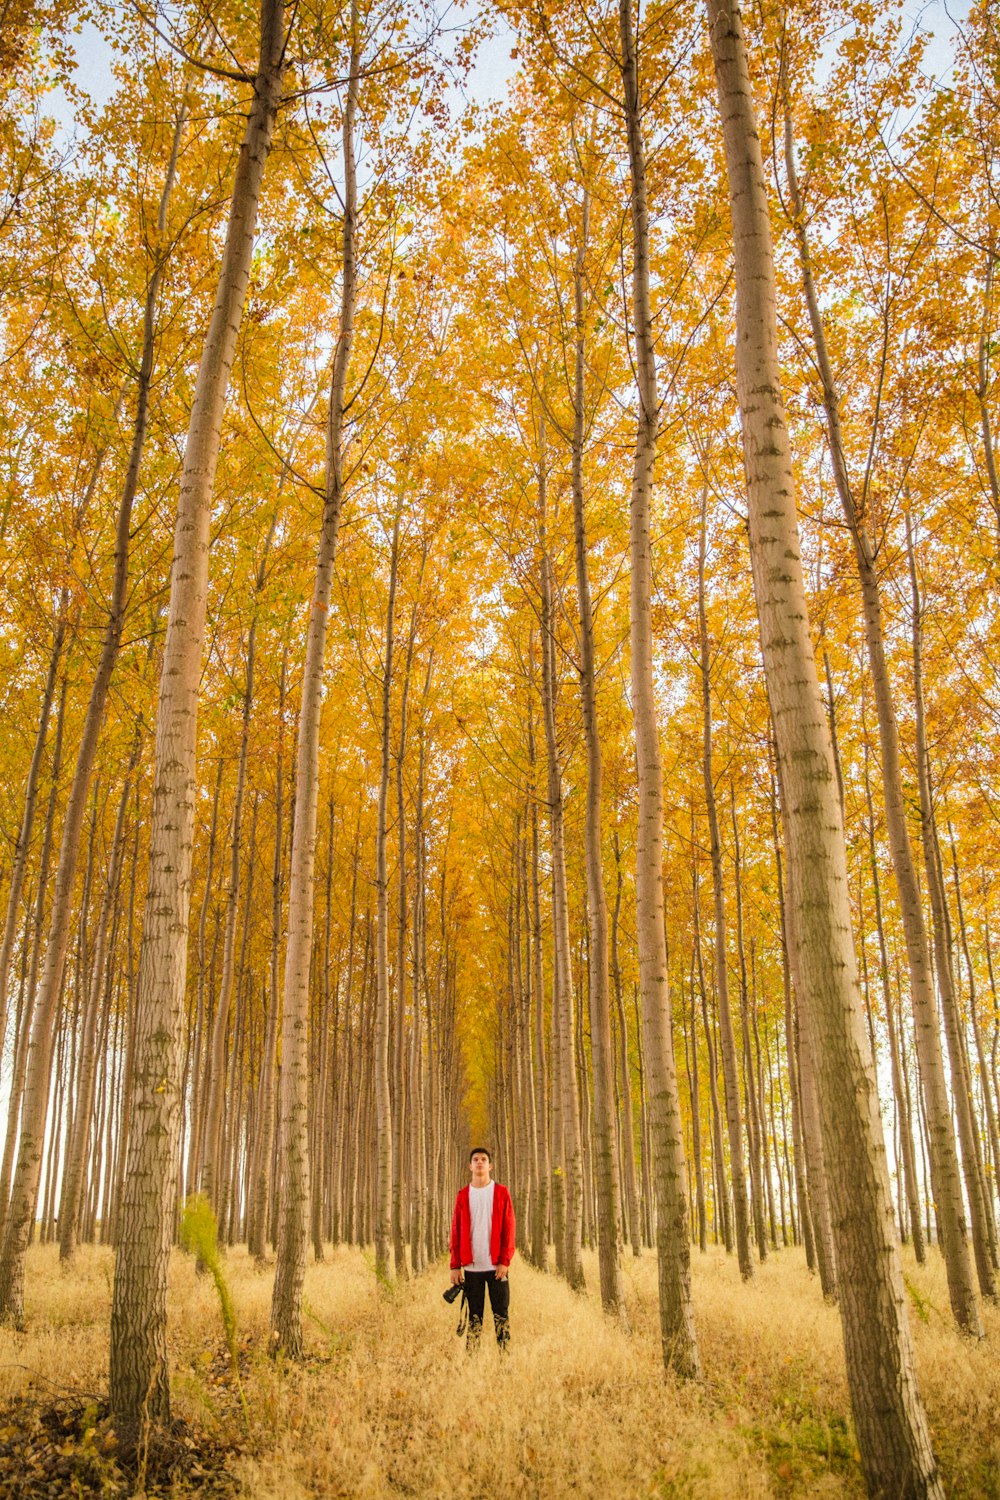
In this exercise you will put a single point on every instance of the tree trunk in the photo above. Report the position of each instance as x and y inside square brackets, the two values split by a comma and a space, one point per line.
[260, 1167]
[132, 984]
[20, 858]
[138, 1376]
[727, 1039]
[417, 1118]
[755, 1148]
[210, 1183]
[383, 1102]
[522, 1001]
[286, 1302]
[680, 1348]
[543, 1171]
[722, 1215]
[985, 1083]
[909, 1167]
[701, 1226]
[800, 1154]
[893, 1438]
[399, 1069]
[960, 1083]
[628, 1112]
[564, 1049]
[203, 990]
[608, 1183]
[944, 1156]
[80, 1133]
[30, 979]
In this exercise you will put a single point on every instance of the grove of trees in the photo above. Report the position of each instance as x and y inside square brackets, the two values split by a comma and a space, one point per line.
[499, 641]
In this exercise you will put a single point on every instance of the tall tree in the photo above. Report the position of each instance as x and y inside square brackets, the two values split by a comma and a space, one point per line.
[139, 1379]
[563, 1030]
[680, 1348]
[734, 1114]
[383, 1099]
[286, 1305]
[19, 862]
[945, 1170]
[893, 1437]
[608, 1182]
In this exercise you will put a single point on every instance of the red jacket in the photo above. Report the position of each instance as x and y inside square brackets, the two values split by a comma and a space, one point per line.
[501, 1229]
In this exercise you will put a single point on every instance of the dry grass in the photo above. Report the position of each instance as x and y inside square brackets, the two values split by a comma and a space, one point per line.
[388, 1404]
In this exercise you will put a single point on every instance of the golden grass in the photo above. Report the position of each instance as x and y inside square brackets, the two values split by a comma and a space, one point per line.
[388, 1404]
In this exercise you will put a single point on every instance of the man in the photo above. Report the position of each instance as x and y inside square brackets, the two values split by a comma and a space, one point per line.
[482, 1248]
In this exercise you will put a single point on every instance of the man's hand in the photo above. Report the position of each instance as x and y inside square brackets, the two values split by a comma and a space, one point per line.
[456, 1276]
[502, 1273]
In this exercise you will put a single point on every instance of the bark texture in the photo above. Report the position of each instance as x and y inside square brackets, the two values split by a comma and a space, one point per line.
[680, 1347]
[893, 1437]
[139, 1380]
[286, 1302]
[945, 1170]
[383, 1099]
[727, 1040]
[606, 1160]
[567, 1087]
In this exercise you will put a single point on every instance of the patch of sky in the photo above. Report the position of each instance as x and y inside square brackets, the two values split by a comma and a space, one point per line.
[94, 74]
[939, 23]
[493, 68]
[486, 82]
[488, 611]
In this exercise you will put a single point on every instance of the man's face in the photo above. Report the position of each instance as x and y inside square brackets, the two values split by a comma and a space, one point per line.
[479, 1167]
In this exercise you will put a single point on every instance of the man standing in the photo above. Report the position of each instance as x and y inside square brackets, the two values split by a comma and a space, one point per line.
[482, 1248]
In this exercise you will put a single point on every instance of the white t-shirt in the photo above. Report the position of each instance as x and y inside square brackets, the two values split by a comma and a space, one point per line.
[481, 1214]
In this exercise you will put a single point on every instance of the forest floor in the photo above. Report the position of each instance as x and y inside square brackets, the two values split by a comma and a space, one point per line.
[387, 1403]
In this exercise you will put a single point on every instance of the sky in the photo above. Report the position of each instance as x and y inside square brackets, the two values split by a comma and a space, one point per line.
[487, 84]
[494, 67]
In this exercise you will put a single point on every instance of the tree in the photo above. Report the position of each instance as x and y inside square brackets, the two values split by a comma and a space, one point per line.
[608, 1183]
[139, 1380]
[680, 1349]
[286, 1306]
[943, 1154]
[728, 1044]
[893, 1438]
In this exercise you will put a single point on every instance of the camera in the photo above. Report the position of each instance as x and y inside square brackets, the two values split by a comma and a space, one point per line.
[452, 1292]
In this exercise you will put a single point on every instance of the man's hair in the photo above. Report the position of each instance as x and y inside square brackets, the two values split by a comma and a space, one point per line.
[480, 1151]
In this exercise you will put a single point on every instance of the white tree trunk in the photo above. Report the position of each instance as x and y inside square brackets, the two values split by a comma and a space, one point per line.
[79, 1132]
[727, 1041]
[945, 1170]
[564, 1053]
[893, 1438]
[286, 1303]
[23, 844]
[383, 1100]
[606, 1159]
[680, 1347]
[138, 1375]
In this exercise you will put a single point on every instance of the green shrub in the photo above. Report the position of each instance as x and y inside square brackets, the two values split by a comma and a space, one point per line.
[200, 1237]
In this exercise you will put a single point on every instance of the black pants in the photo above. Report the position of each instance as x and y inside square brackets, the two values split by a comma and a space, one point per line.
[477, 1284]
